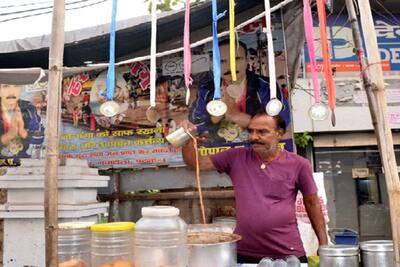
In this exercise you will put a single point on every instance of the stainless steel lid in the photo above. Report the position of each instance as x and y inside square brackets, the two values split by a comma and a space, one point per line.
[338, 250]
[377, 245]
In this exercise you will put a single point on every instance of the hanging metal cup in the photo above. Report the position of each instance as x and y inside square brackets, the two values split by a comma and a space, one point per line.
[152, 115]
[178, 138]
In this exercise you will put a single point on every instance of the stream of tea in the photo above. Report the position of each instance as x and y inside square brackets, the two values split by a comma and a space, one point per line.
[203, 214]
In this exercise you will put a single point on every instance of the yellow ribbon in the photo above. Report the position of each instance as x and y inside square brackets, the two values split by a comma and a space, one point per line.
[232, 38]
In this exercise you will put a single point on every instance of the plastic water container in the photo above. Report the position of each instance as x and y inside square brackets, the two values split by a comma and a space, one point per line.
[345, 236]
[112, 244]
[74, 244]
[160, 238]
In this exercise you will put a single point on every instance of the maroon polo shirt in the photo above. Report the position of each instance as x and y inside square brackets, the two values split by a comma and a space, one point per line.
[265, 200]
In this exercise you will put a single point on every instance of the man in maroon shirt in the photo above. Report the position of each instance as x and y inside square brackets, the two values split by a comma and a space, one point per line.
[266, 180]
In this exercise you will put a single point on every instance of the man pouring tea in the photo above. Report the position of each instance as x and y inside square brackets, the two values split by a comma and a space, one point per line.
[265, 176]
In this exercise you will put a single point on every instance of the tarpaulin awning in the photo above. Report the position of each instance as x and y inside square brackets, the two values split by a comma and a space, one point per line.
[132, 39]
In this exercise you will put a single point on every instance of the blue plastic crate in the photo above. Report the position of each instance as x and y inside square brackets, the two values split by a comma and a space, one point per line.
[346, 237]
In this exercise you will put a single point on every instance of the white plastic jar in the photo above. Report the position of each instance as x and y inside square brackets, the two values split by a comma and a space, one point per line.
[160, 238]
[74, 244]
[112, 244]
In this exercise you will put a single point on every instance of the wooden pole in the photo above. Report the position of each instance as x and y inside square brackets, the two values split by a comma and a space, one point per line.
[52, 133]
[114, 204]
[373, 80]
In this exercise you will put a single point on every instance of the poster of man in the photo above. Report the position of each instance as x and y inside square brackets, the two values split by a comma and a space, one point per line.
[21, 128]
[243, 97]
[130, 139]
[249, 93]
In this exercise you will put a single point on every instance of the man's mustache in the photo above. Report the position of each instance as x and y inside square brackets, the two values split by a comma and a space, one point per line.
[229, 72]
[11, 97]
[255, 142]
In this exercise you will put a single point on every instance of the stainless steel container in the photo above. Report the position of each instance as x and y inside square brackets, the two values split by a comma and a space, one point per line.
[178, 138]
[377, 253]
[212, 249]
[339, 256]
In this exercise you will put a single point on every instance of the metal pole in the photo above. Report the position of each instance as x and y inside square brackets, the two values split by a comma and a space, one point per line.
[52, 133]
[373, 80]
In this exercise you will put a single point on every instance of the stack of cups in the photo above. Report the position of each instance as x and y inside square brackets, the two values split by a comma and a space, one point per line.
[291, 261]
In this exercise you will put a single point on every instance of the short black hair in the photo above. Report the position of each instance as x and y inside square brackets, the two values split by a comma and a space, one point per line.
[162, 79]
[280, 123]
[226, 41]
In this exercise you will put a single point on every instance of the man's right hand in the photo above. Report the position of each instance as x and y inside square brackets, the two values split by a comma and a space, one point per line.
[187, 126]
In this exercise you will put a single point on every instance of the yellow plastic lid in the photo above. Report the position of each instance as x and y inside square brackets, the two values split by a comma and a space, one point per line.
[112, 227]
[75, 225]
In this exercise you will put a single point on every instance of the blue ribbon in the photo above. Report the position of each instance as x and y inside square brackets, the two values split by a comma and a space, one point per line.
[111, 65]
[216, 53]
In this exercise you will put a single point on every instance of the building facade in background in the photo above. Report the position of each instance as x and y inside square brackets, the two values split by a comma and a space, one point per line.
[347, 153]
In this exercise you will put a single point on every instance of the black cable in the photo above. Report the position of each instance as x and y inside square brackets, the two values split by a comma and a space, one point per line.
[48, 12]
[27, 4]
[388, 11]
[40, 8]
[383, 16]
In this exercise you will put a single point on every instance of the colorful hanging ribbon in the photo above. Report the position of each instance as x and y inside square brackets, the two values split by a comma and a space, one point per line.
[216, 53]
[187, 53]
[111, 66]
[232, 38]
[153, 66]
[308, 29]
[271, 56]
[326, 57]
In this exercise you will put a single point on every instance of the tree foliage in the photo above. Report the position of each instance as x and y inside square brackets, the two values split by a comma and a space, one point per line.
[302, 139]
[167, 5]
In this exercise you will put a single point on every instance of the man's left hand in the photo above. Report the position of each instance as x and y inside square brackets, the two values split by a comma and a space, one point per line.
[314, 212]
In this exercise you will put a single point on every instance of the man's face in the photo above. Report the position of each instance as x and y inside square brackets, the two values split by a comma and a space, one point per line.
[241, 64]
[37, 101]
[264, 136]
[10, 94]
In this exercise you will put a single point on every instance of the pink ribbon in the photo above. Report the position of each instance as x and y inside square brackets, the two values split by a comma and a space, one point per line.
[187, 53]
[308, 29]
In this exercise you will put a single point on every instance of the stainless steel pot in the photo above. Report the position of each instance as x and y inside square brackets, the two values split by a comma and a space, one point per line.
[377, 253]
[212, 249]
[339, 256]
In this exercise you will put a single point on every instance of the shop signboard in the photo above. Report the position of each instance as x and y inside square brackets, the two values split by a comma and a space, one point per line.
[341, 43]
